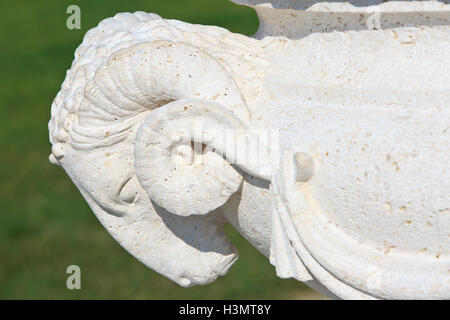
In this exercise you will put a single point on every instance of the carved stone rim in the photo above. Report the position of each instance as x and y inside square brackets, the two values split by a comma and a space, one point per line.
[348, 6]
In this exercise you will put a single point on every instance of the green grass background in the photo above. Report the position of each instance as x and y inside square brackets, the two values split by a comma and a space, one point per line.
[45, 224]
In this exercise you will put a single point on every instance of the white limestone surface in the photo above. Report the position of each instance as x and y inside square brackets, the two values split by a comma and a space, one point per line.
[324, 140]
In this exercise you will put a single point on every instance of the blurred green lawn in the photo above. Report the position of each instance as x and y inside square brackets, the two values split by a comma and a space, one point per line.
[45, 224]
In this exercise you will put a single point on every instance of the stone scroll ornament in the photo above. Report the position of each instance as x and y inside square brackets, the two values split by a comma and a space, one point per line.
[352, 196]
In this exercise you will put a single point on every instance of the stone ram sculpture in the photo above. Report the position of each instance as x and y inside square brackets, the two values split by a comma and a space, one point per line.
[324, 140]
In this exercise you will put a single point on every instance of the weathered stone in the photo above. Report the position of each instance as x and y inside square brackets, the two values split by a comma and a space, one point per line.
[324, 140]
